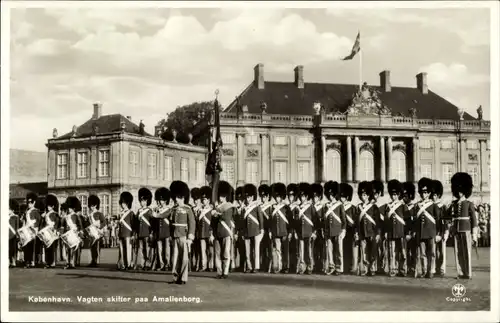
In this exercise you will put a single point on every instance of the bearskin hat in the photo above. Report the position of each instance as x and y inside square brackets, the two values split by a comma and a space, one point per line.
[94, 201]
[13, 205]
[127, 198]
[72, 202]
[305, 188]
[346, 191]
[437, 188]
[238, 195]
[40, 204]
[394, 186]
[378, 187]
[162, 194]
[278, 189]
[225, 189]
[195, 193]
[51, 200]
[409, 189]
[331, 188]
[365, 187]
[461, 183]
[317, 189]
[292, 189]
[31, 197]
[250, 190]
[206, 192]
[180, 189]
[264, 189]
[64, 207]
[425, 183]
[145, 194]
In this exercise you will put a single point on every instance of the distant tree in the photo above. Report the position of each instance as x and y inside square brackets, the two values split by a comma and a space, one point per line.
[184, 119]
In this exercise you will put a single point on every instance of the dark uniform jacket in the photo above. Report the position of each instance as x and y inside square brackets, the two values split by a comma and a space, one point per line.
[427, 221]
[183, 223]
[395, 219]
[444, 222]
[161, 223]
[204, 222]
[223, 222]
[267, 211]
[411, 210]
[142, 222]
[13, 225]
[71, 222]
[97, 219]
[319, 220]
[463, 216]
[305, 217]
[334, 219]
[350, 217]
[369, 223]
[33, 218]
[126, 224]
[51, 219]
[381, 209]
[252, 220]
[281, 220]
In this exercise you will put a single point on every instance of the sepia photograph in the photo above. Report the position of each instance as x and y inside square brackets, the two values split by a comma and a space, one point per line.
[249, 161]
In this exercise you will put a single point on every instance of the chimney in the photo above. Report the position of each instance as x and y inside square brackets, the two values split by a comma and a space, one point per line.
[299, 76]
[422, 82]
[259, 76]
[385, 81]
[97, 111]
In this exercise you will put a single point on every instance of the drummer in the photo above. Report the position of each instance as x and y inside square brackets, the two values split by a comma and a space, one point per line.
[96, 218]
[51, 220]
[72, 223]
[33, 219]
[13, 227]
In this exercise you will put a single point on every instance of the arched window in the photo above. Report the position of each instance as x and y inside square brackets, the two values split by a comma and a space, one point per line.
[333, 165]
[398, 166]
[366, 166]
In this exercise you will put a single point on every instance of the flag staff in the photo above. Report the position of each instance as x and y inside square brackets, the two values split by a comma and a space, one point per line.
[360, 64]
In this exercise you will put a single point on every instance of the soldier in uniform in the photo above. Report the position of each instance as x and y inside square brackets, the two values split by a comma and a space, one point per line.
[142, 229]
[184, 226]
[13, 227]
[464, 227]
[305, 216]
[266, 243]
[223, 215]
[382, 263]
[369, 229]
[252, 222]
[33, 219]
[125, 231]
[426, 227]
[437, 189]
[281, 229]
[204, 234]
[96, 218]
[320, 261]
[411, 240]
[350, 244]
[72, 222]
[334, 228]
[238, 246]
[52, 220]
[396, 224]
[293, 202]
[161, 229]
[194, 251]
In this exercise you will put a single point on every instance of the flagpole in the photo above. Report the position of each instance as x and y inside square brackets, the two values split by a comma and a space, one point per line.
[360, 65]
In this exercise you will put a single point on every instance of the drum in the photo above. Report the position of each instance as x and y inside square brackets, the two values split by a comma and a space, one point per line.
[94, 233]
[26, 235]
[71, 239]
[48, 235]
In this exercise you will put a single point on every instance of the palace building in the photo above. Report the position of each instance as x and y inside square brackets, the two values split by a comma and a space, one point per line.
[298, 131]
[110, 154]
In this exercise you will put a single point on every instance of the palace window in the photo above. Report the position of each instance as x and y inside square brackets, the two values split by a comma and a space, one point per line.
[280, 170]
[366, 166]
[473, 171]
[280, 141]
[104, 163]
[105, 204]
[84, 201]
[152, 165]
[303, 174]
[448, 171]
[135, 170]
[252, 139]
[168, 168]
[425, 144]
[184, 170]
[82, 161]
[304, 141]
[426, 170]
[200, 172]
[333, 165]
[446, 144]
[398, 166]
[227, 173]
[252, 171]
[228, 138]
[472, 144]
[62, 166]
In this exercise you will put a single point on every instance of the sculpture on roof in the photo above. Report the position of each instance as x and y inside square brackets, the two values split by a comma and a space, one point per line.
[141, 128]
[367, 101]
[54, 133]
[263, 107]
[480, 113]
[413, 112]
[95, 129]
[317, 108]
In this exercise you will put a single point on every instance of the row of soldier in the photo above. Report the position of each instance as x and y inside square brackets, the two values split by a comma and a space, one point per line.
[290, 228]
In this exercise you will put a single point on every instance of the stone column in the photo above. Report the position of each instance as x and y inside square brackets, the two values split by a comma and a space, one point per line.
[323, 159]
[463, 155]
[389, 158]
[349, 158]
[436, 172]
[241, 159]
[416, 159]
[382, 159]
[483, 155]
[356, 158]
[264, 142]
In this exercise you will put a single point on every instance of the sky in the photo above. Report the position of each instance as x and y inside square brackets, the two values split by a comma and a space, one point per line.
[144, 62]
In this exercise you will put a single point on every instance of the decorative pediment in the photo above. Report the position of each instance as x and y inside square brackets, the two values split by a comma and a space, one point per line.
[367, 102]
[473, 157]
[333, 146]
[252, 153]
[227, 152]
[400, 147]
[366, 146]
